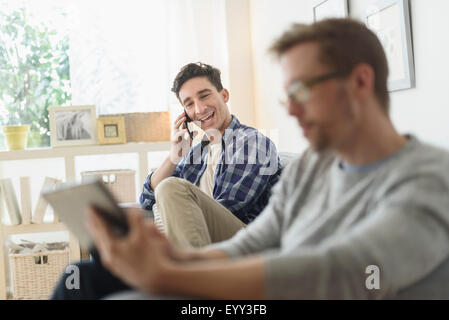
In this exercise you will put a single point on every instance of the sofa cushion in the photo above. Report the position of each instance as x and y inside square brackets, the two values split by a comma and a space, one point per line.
[286, 157]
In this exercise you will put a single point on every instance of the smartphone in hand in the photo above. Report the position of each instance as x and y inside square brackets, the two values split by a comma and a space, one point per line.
[186, 123]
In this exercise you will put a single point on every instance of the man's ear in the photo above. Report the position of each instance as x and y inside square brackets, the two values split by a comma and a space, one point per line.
[225, 94]
[362, 81]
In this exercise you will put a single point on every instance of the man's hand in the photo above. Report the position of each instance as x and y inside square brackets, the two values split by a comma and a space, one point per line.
[179, 147]
[180, 140]
[145, 260]
[139, 258]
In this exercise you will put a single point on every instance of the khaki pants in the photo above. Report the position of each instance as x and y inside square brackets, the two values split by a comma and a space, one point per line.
[190, 217]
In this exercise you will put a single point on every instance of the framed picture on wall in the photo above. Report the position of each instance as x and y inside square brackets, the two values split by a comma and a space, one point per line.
[390, 21]
[324, 9]
[111, 130]
[71, 126]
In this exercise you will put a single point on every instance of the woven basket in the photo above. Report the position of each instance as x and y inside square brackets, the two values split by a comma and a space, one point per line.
[36, 274]
[120, 182]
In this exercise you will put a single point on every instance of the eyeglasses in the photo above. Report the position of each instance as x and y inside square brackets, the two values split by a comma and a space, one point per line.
[299, 91]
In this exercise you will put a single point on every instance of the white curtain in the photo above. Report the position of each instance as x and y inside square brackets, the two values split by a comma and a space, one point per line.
[124, 54]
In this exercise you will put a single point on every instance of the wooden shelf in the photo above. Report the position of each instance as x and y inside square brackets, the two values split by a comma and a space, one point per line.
[69, 154]
[33, 228]
[72, 151]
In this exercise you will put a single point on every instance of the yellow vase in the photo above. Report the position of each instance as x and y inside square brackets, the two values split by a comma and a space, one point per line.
[16, 136]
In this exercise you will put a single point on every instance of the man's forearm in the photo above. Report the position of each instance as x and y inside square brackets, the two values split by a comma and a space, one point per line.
[216, 279]
[163, 172]
[190, 255]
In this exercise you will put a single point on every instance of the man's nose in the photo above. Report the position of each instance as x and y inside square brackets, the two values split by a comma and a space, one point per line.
[295, 109]
[199, 108]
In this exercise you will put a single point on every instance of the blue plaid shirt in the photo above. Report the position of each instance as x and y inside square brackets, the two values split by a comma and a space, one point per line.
[248, 168]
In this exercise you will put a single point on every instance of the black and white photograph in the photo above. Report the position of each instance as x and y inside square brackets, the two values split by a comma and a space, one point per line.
[72, 125]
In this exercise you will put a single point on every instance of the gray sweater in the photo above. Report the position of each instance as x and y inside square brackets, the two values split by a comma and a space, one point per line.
[324, 226]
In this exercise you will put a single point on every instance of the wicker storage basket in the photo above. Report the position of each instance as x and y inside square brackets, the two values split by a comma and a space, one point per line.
[36, 274]
[120, 182]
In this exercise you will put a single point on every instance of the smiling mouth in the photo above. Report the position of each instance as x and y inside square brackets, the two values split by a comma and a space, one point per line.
[207, 117]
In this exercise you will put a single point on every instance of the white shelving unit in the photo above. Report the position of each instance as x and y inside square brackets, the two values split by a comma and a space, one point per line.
[68, 154]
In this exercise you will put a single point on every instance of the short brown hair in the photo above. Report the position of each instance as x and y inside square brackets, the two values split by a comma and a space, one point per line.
[194, 70]
[344, 43]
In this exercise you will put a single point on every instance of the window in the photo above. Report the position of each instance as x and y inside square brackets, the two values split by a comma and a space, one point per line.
[120, 56]
[34, 67]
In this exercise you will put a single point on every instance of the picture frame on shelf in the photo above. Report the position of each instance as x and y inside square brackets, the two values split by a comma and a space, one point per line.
[390, 21]
[111, 130]
[72, 125]
[324, 9]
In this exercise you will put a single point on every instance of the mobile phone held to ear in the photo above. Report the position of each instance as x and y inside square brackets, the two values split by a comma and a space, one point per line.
[72, 201]
[188, 119]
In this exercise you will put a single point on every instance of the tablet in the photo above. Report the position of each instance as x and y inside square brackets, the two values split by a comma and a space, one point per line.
[70, 201]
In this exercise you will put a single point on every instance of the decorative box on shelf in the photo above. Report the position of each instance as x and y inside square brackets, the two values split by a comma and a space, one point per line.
[120, 182]
[146, 126]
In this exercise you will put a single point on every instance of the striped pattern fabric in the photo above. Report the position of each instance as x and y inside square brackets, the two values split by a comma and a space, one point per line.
[248, 169]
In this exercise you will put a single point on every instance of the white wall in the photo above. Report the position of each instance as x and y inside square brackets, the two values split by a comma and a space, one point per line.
[423, 110]
[268, 20]
[240, 67]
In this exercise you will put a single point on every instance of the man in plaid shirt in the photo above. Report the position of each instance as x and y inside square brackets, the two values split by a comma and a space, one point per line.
[206, 193]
